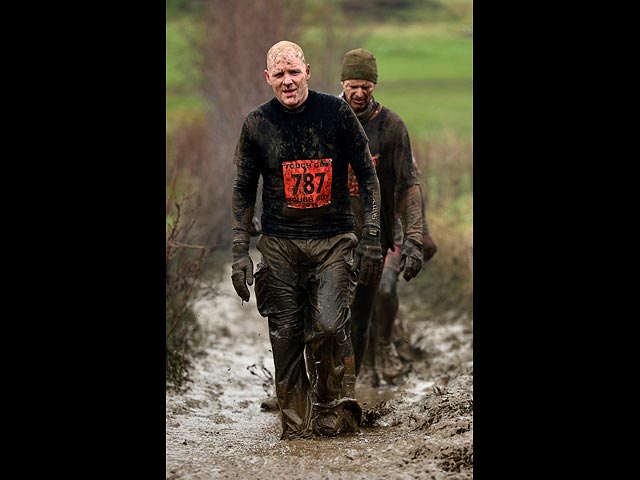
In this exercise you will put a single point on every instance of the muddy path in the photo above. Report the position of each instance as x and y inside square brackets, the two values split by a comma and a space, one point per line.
[421, 428]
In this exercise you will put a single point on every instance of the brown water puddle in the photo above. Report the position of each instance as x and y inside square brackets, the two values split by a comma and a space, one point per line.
[217, 429]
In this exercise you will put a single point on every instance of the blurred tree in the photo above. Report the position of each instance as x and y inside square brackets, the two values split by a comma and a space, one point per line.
[177, 7]
[398, 9]
[234, 40]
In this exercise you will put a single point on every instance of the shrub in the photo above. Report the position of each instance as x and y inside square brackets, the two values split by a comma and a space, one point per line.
[183, 266]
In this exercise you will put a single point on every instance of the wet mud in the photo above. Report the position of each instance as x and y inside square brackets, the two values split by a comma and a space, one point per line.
[419, 428]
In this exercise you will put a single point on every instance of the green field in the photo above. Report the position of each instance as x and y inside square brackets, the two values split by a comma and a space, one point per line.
[182, 74]
[425, 74]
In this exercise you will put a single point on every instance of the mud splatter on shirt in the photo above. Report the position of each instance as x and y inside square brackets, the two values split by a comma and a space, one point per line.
[390, 145]
[303, 156]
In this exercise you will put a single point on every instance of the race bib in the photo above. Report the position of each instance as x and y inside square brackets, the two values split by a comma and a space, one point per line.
[307, 183]
[354, 190]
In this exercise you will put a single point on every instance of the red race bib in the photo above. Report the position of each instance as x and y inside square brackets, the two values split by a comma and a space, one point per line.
[307, 183]
[354, 190]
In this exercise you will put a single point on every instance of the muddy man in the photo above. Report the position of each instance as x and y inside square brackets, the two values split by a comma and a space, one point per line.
[404, 234]
[302, 142]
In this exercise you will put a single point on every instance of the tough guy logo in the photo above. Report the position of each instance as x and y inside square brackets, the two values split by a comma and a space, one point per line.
[307, 183]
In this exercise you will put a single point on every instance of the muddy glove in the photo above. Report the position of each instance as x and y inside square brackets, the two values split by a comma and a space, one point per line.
[242, 270]
[429, 247]
[410, 259]
[368, 256]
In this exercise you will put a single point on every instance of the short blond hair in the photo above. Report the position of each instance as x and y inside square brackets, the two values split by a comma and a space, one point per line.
[284, 47]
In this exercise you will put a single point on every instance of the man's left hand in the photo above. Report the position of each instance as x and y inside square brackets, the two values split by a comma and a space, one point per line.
[410, 259]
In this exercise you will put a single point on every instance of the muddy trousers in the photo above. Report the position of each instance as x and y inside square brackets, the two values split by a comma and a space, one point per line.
[386, 303]
[305, 288]
[363, 329]
[386, 307]
[380, 359]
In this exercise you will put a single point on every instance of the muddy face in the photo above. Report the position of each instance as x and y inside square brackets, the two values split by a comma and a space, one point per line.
[288, 76]
[358, 93]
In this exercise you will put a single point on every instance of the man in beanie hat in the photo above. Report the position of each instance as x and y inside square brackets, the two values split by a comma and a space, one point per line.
[302, 142]
[405, 237]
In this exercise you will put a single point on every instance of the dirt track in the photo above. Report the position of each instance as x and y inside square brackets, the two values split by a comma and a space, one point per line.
[422, 428]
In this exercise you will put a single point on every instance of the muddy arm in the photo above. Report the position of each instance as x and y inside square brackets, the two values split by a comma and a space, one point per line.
[409, 207]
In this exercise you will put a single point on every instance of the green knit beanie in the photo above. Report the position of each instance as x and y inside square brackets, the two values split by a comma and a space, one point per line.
[359, 64]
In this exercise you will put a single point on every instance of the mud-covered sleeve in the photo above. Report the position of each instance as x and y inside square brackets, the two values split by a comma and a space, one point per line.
[246, 159]
[404, 166]
[425, 225]
[409, 205]
[362, 164]
[407, 186]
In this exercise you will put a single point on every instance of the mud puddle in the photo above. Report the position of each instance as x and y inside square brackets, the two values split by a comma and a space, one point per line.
[421, 428]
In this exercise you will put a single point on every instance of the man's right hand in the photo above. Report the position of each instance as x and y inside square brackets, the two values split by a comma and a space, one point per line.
[429, 247]
[242, 270]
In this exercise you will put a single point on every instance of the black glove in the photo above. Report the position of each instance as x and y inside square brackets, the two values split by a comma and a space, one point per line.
[429, 247]
[410, 259]
[368, 256]
[242, 270]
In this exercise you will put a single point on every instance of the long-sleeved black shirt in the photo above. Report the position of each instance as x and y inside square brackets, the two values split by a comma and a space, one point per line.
[303, 156]
[391, 149]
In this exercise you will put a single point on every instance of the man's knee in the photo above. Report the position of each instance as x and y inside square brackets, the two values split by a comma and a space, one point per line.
[335, 330]
[387, 288]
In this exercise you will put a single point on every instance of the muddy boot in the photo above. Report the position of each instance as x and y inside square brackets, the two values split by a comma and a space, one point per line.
[400, 338]
[339, 416]
[368, 377]
[391, 365]
[269, 404]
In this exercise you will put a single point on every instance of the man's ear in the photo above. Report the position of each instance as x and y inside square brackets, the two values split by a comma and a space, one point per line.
[267, 77]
